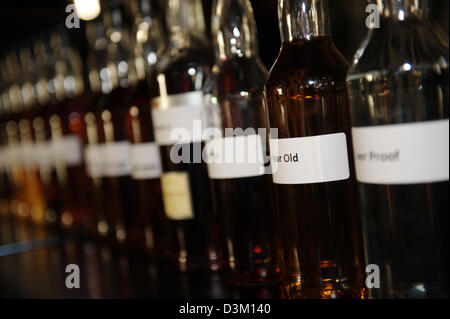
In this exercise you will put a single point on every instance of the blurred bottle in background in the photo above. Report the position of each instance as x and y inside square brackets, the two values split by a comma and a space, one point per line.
[67, 129]
[20, 206]
[151, 224]
[399, 101]
[96, 64]
[118, 80]
[35, 191]
[185, 184]
[246, 216]
[48, 99]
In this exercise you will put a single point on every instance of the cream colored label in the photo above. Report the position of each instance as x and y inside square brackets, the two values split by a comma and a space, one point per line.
[177, 195]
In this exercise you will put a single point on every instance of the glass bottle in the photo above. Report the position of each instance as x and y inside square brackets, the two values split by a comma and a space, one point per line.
[119, 78]
[185, 183]
[21, 203]
[66, 127]
[311, 158]
[398, 86]
[151, 224]
[246, 216]
[5, 187]
[47, 101]
[96, 63]
[32, 107]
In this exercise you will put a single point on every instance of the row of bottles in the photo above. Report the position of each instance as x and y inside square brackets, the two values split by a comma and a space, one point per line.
[334, 167]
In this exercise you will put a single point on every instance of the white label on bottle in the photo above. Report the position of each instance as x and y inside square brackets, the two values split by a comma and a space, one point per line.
[307, 160]
[178, 118]
[13, 155]
[27, 156]
[116, 159]
[67, 149]
[235, 157]
[145, 161]
[44, 156]
[93, 160]
[402, 153]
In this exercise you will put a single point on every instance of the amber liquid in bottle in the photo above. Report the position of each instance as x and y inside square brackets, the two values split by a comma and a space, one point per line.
[306, 95]
[184, 69]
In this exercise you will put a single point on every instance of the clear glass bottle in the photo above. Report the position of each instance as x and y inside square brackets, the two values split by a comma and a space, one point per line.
[311, 158]
[399, 98]
[246, 216]
[185, 183]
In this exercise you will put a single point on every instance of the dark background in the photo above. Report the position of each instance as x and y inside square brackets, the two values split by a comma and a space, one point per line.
[21, 20]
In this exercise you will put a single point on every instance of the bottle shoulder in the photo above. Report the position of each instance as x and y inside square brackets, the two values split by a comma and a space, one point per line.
[241, 74]
[183, 59]
[414, 44]
[306, 61]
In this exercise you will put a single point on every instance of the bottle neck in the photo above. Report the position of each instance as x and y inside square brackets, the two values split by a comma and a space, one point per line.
[234, 29]
[402, 9]
[185, 23]
[148, 33]
[122, 72]
[303, 19]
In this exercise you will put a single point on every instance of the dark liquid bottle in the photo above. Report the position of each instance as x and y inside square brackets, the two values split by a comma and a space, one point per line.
[311, 158]
[22, 205]
[151, 224]
[246, 216]
[185, 182]
[119, 194]
[399, 100]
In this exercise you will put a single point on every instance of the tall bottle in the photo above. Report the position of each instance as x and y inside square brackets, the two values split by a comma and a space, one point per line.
[179, 107]
[48, 100]
[399, 98]
[21, 207]
[151, 225]
[118, 80]
[30, 99]
[66, 128]
[246, 216]
[5, 187]
[311, 158]
[96, 64]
